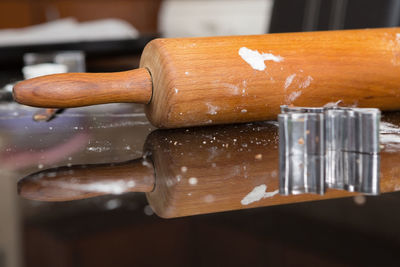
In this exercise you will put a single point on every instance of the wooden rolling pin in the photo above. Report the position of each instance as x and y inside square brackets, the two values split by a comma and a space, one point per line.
[202, 170]
[217, 80]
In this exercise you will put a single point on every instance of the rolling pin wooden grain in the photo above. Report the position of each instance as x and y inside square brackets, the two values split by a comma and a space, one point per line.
[218, 80]
[199, 171]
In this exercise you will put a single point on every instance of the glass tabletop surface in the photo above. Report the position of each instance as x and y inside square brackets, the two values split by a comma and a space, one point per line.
[100, 186]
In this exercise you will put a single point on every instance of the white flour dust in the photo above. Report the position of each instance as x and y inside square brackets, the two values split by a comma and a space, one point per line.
[390, 136]
[289, 80]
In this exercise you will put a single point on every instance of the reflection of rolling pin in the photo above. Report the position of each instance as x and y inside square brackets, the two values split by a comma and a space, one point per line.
[200, 81]
[193, 172]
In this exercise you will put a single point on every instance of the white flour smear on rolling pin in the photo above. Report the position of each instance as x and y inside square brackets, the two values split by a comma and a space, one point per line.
[255, 59]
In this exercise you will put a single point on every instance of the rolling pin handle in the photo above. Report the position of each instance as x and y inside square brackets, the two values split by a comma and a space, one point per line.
[69, 90]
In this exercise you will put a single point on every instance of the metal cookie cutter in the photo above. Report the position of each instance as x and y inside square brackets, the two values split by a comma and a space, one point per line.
[331, 147]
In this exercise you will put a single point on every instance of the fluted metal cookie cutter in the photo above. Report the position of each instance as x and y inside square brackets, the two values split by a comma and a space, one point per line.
[328, 147]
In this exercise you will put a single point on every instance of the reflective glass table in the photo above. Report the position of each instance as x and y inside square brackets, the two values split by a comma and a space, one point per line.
[100, 186]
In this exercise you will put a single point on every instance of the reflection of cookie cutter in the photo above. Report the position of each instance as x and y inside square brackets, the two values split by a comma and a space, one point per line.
[328, 147]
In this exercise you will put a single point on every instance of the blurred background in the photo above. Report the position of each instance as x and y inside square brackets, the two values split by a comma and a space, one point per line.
[39, 37]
